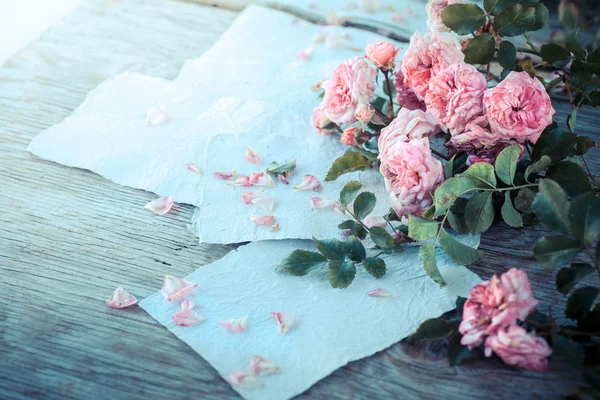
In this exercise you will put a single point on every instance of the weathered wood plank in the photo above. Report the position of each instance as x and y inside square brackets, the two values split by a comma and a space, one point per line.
[68, 237]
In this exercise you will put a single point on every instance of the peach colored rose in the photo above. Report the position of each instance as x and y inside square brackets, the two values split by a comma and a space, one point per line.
[455, 97]
[382, 54]
[518, 108]
[405, 96]
[320, 121]
[364, 113]
[426, 56]
[479, 143]
[434, 10]
[411, 173]
[353, 83]
[517, 347]
[408, 124]
[347, 137]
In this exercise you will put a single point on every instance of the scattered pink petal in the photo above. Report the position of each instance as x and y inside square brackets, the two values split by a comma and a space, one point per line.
[309, 182]
[260, 220]
[175, 288]
[121, 298]
[318, 203]
[261, 367]
[267, 203]
[285, 321]
[274, 228]
[282, 178]
[243, 379]
[247, 197]
[194, 168]
[160, 206]
[156, 116]
[224, 175]
[252, 157]
[235, 325]
[261, 179]
[305, 54]
[379, 293]
[241, 180]
[372, 221]
[187, 316]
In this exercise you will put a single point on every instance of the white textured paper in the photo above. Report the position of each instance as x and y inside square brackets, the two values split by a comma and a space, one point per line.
[334, 326]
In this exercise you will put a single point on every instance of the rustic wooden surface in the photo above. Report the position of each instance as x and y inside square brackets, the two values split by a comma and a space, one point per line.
[69, 237]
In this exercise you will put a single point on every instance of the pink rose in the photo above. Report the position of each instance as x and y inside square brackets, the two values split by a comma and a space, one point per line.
[517, 347]
[426, 56]
[434, 13]
[405, 96]
[320, 121]
[382, 54]
[408, 124]
[479, 143]
[455, 97]
[517, 292]
[518, 108]
[348, 137]
[411, 173]
[353, 83]
[364, 113]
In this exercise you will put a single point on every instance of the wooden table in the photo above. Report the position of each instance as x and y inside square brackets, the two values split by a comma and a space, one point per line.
[68, 237]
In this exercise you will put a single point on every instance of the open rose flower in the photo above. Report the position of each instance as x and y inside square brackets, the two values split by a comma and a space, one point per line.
[427, 56]
[353, 83]
[455, 97]
[434, 10]
[517, 347]
[382, 54]
[320, 121]
[405, 96]
[408, 124]
[411, 173]
[518, 108]
[479, 143]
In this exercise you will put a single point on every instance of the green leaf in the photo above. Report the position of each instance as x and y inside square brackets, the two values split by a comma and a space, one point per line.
[447, 193]
[591, 322]
[568, 277]
[330, 248]
[381, 237]
[571, 177]
[349, 162]
[584, 218]
[494, 7]
[567, 349]
[354, 249]
[574, 47]
[506, 163]
[553, 52]
[349, 192]
[369, 155]
[301, 262]
[479, 212]
[515, 20]
[509, 214]
[463, 18]
[341, 273]
[480, 49]
[276, 168]
[348, 224]
[551, 206]
[554, 143]
[449, 168]
[458, 223]
[364, 204]
[428, 257]
[552, 251]
[507, 55]
[456, 351]
[431, 329]
[421, 229]
[375, 266]
[580, 302]
[524, 200]
[483, 172]
[458, 252]
[541, 17]
[540, 165]
[583, 144]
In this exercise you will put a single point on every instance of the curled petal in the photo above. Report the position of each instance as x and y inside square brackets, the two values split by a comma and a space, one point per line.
[379, 293]
[318, 203]
[285, 321]
[260, 220]
[160, 206]
[235, 325]
[175, 288]
[372, 221]
[274, 228]
[309, 182]
[194, 168]
[261, 179]
[252, 157]
[224, 175]
[267, 203]
[261, 367]
[283, 179]
[241, 180]
[156, 116]
[187, 316]
[121, 298]
[247, 197]
[243, 379]
[304, 54]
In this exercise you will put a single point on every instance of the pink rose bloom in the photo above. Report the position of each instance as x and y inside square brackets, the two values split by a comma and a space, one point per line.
[518, 108]
[411, 173]
[353, 83]
[426, 56]
[434, 13]
[479, 143]
[408, 124]
[455, 97]
[348, 137]
[405, 96]
[320, 121]
[517, 292]
[517, 347]
[382, 54]
[364, 113]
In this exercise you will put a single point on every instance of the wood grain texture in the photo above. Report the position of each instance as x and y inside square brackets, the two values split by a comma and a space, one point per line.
[69, 237]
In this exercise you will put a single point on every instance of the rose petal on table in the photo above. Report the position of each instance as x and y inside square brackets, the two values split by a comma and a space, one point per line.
[121, 298]
[274, 228]
[379, 293]
[261, 179]
[194, 168]
[318, 203]
[235, 325]
[284, 321]
[260, 220]
[160, 206]
[261, 367]
[283, 179]
[267, 203]
[243, 379]
[175, 288]
[187, 316]
[252, 157]
[156, 116]
[372, 221]
[241, 180]
[309, 182]
[247, 197]
[224, 175]
[304, 54]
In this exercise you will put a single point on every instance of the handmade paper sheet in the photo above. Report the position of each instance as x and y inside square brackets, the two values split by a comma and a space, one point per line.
[333, 326]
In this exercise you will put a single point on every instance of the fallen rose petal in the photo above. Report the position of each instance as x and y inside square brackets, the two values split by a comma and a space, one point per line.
[235, 325]
[160, 206]
[260, 220]
[379, 293]
[121, 298]
[241, 180]
[194, 168]
[175, 288]
[372, 221]
[285, 321]
[267, 203]
[243, 379]
[282, 178]
[304, 54]
[274, 227]
[261, 179]
[247, 197]
[224, 175]
[309, 182]
[261, 367]
[252, 157]
[156, 116]
[318, 203]
[187, 316]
